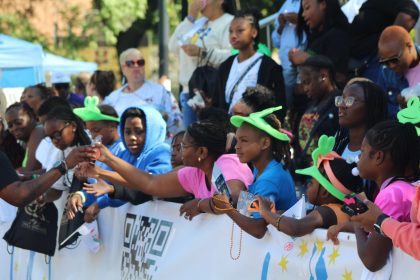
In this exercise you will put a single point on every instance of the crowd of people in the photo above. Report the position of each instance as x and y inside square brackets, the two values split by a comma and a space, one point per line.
[329, 122]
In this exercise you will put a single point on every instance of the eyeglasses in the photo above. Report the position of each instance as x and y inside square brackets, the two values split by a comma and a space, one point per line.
[346, 101]
[132, 63]
[58, 134]
[391, 60]
[185, 146]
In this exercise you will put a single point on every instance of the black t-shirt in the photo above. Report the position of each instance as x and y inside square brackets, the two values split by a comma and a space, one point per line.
[374, 16]
[7, 173]
[333, 43]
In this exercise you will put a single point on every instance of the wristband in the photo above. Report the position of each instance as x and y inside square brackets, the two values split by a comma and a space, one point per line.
[378, 223]
[278, 222]
[198, 206]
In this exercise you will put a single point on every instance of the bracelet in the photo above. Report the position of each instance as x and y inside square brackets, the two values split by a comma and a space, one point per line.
[278, 222]
[198, 206]
[82, 195]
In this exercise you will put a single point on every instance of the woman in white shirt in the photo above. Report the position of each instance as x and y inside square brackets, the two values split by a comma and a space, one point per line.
[199, 41]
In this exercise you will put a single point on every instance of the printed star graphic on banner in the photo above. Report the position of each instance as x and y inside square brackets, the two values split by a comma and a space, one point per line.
[283, 263]
[319, 244]
[303, 247]
[333, 255]
[347, 275]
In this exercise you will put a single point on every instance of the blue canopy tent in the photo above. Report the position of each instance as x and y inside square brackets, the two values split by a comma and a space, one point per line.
[54, 63]
[20, 63]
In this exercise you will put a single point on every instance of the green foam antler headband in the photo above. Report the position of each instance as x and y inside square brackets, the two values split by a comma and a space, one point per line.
[324, 150]
[91, 111]
[257, 119]
[411, 114]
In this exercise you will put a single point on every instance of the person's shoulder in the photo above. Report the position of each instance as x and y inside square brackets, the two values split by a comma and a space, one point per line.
[113, 96]
[268, 61]
[226, 18]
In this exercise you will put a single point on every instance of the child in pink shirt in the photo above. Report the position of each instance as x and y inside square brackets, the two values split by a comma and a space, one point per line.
[389, 156]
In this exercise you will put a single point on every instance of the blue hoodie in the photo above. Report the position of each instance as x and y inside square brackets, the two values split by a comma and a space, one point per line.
[155, 157]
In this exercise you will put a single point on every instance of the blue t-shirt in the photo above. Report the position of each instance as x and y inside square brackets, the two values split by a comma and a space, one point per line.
[275, 183]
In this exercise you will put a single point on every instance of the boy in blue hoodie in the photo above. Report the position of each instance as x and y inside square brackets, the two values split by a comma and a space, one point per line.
[143, 130]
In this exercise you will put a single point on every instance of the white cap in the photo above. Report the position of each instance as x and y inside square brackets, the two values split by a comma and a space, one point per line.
[60, 78]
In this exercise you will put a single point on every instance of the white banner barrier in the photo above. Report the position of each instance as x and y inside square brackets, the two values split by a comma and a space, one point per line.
[152, 241]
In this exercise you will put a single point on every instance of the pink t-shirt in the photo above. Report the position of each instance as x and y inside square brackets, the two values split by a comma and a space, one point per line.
[193, 179]
[413, 76]
[395, 200]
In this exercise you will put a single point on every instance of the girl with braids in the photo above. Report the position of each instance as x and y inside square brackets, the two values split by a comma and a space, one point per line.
[362, 105]
[21, 122]
[202, 146]
[66, 132]
[261, 142]
[249, 67]
[389, 156]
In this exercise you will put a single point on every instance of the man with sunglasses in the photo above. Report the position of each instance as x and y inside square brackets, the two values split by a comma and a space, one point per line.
[398, 52]
[138, 91]
[400, 58]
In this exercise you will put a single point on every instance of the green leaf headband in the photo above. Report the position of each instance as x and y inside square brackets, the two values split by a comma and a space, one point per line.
[91, 111]
[411, 114]
[257, 119]
[323, 152]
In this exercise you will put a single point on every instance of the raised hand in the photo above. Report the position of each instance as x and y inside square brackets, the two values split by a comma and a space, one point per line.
[87, 170]
[99, 188]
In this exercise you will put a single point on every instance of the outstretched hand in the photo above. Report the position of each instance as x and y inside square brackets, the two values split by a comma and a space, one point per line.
[99, 188]
[86, 170]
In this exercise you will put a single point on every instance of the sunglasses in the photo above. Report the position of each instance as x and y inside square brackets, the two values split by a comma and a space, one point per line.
[391, 60]
[132, 63]
[346, 101]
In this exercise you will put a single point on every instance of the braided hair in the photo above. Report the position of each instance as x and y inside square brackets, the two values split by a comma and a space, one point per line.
[281, 149]
[23, 106]
[65, 113]
[402, 144]
[209, 134]
[252, 16]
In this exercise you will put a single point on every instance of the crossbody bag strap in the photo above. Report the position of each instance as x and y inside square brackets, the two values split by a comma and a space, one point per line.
[235, 87]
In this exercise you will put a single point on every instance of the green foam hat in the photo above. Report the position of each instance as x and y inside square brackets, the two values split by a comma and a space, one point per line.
[411, 114]
[257, 119]
[322, 152]
[91, 111]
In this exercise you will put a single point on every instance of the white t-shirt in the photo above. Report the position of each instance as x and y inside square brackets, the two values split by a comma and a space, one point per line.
[149, 93]
[249, 80]
[48, 154]
[350, 156]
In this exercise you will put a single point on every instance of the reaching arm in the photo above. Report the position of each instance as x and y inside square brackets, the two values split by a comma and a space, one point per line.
[254, 227]
[21, 193]
[164, 185]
